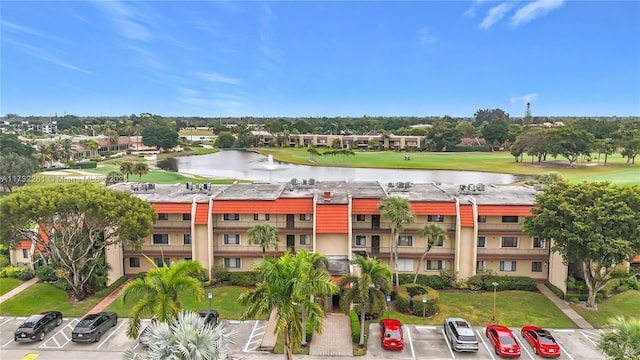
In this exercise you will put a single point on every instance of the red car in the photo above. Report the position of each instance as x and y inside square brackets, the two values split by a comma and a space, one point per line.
[541, 341]
[391, 334]
[503, 341]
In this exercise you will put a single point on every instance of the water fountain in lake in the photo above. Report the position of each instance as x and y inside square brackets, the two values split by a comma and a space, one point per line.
[270, 164]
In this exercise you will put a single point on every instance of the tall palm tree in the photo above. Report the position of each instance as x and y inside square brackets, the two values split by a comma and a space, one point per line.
[286, 286]
[432, 234]
[65, 149]
[185, 337]
[265, 235]
[622, 341]
[127, 168]
[398, 212]
[157, 293]
[140, 168]
[366, 289]
[319, 263]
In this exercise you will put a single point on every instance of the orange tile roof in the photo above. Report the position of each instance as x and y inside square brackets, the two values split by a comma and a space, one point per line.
[278, 206]
[172, 208]
[504, 210]
[202, 216]
[332, 219]
[365, 206]
[24, 244]
[433, 208]
[466, 216]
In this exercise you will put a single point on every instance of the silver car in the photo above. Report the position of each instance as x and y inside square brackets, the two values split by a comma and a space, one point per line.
[460, 335]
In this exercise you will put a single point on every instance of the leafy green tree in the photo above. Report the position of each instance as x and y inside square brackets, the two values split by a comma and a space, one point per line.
[605, 146]
[286, 286]
[157, 293]
[225, 140]
[622, 340]
[185, 337]
[140, 168]
[432, 234]
[161, 136]
[443, 135]
[114, 177]
[570, 143]
[265, 235]
[486, 115]
[398, 212]
[127, 168]
[495, 132]
[15, 170]
[367, 289]
[77, 222]
[595, 225]
[629, 141]
[10, 144]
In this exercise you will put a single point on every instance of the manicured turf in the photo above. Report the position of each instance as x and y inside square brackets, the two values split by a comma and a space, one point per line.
[43, 297]
[7, 284]
[626, 304]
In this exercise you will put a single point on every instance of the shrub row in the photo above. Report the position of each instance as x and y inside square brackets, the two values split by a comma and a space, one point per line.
[432, 281]
[243, 278]
[409, 300]
[355, 327]
[485, 282]
[16, 272]
[554, 289]
[83, 165]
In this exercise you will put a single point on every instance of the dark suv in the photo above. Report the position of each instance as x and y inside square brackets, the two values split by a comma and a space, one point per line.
[92, 326]
[36, 326]
[460, 335]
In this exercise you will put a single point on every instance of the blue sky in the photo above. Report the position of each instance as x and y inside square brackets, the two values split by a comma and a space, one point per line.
[320, 58]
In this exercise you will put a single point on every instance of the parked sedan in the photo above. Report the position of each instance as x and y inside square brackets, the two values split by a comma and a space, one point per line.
[36, 326]
[503, 341]
[541, 341]
[391, 334]
[92, 326]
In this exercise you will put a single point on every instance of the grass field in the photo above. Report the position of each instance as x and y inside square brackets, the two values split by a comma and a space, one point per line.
[626, 304]
[8, 284]
[43, 297]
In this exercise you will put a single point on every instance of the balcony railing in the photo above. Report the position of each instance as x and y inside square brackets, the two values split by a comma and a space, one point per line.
[512, 251]
[279, 224]
[500, 228]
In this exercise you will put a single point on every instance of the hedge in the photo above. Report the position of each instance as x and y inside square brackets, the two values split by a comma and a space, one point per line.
[403, 300]
[84, 165]
[243, 278]
[355, 327]
[554, 289]
[432, 281]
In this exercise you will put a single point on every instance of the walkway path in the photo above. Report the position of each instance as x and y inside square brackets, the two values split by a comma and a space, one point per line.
[564, 307]
[335, 340]
[18, 289]
[109, 299]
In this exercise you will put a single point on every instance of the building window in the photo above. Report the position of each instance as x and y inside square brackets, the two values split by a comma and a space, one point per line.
[305, 217]
[361, 218]
[260, 217]
[305, 239]
[186, 217]
[186, 239]
[231, 239]
[405, 240]
[481, 266]
[482, 242]
[434, 264]
[232, 263]
[160, 239]
[404, 265]
[509, 219]
[509, 242]
[361, 240]
[231, 217]
[536, 266]
[507, 266]
[25, 253]
[134, 262]
[159, 263]
[538, 243]
[482, 219]
[439, 242]
[435, 218]
[163, 216]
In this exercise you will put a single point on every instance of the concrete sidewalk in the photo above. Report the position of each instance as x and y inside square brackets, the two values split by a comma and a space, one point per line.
[564, 307]
[18, 289]
[108, 299]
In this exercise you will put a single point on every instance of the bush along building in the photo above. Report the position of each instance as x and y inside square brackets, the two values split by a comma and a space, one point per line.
[210, 223]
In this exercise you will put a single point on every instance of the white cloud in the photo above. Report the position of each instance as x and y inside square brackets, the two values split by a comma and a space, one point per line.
[426, 37]
[47, 56]
[125, 20]
[494, 15]
[217, 78]
[471, 12]
[534, 10]
[524, 99]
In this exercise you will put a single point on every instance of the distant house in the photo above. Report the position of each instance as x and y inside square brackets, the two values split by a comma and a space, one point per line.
[472, 142]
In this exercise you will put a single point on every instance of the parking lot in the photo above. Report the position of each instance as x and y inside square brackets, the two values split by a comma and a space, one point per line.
[58, 345]
[429, 342]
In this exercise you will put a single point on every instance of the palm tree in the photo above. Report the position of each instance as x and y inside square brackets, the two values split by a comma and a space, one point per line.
[127, 168]
[622, 341]
[286, 286]
[397, 211]
[157, 293]
[365, 289]
[186, 337]
[432, 234]
[264, 235]
[319, 263]
[140, 168]
[65, 147]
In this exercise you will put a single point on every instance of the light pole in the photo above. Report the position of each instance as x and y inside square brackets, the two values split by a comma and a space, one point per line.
[210, 296]
[495, 291]
[388, 302]
[424, 305]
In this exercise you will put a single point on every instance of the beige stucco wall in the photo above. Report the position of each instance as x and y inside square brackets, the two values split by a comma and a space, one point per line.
[114, 257]
[332, 244]
[200, 249]
[558, 271]
[466, 253]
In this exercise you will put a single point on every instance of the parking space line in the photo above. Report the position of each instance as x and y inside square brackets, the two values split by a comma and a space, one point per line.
[522, 344]
[256, 332]
[427, 327]
[4, 322]
[446, 341]
[588, 335]
[485, 345]
[10, 341]
[413, 353]
[114, 331]
[565, 351]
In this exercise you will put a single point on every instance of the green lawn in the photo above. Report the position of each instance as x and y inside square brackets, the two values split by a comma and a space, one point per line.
[8, 284]
[627, 304]
[43, 297]
[513, 308]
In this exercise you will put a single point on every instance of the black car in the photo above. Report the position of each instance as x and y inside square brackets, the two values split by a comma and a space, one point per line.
[36, 326]
[92, 326]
